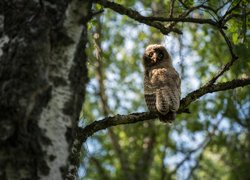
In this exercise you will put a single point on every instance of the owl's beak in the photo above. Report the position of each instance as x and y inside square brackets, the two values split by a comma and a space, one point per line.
[154, 57]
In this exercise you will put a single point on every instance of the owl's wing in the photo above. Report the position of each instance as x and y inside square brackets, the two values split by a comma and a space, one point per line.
[150, 101]
[168, 91]
[149, 94]
[177, 81]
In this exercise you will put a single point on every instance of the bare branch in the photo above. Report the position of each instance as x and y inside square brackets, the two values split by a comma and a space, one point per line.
[191, 9]
[197, 163]
[95, 13]
[208, 8]
[183, 4]
[89, 130]
[171, 8]
[191, 97]
[155, 21]
[203, 145]
[230, 10]
[227, 66]
[229, 44]
[222, 6]
[181, 19]
[235, 15]
[136, 16]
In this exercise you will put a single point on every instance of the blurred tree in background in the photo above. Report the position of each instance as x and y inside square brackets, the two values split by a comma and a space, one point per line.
[213, 141]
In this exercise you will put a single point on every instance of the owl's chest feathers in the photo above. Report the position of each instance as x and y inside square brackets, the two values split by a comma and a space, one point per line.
[158, 78]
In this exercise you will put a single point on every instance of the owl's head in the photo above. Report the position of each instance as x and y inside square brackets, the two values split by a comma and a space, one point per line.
[156, 55]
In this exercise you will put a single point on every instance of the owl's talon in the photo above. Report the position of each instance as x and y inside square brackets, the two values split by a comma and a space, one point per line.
[168, 118]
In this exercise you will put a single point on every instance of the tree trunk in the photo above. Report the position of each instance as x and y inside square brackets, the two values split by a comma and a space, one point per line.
[42, 85]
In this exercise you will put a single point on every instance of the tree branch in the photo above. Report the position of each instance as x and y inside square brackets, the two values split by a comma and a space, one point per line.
[171, 12]
[89, 130]
[157, 23]
[229, 11]
[227, 66]
[203, 145]
[136, 16]
[201, 6]
[183, 4]
[221, 72]
[154, 21]
[191, 97]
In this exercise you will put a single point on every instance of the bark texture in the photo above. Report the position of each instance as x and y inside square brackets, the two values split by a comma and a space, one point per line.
[42, 85]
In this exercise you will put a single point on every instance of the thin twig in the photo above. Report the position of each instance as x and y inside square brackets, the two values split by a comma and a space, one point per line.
[222, 6]
[95, 13]
[183, 4]
[171, 8]
[227, 66]
[236, 16]
[230, 10]
[188, 155]
[181, 19]
[136, 16]
[154, 21]
[191, 9]
[201, 147]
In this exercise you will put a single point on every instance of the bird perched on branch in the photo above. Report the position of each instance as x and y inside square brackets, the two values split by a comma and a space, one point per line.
[162, 84]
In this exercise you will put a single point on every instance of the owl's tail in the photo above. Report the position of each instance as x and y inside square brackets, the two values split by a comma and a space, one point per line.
[168, 118]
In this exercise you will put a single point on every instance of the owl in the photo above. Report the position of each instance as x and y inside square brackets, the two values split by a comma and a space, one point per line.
[162, 84]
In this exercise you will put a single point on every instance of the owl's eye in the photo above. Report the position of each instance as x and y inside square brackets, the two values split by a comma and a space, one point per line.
[160, 55]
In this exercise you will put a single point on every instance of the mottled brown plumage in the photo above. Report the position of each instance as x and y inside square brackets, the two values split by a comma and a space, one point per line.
[162, 89]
